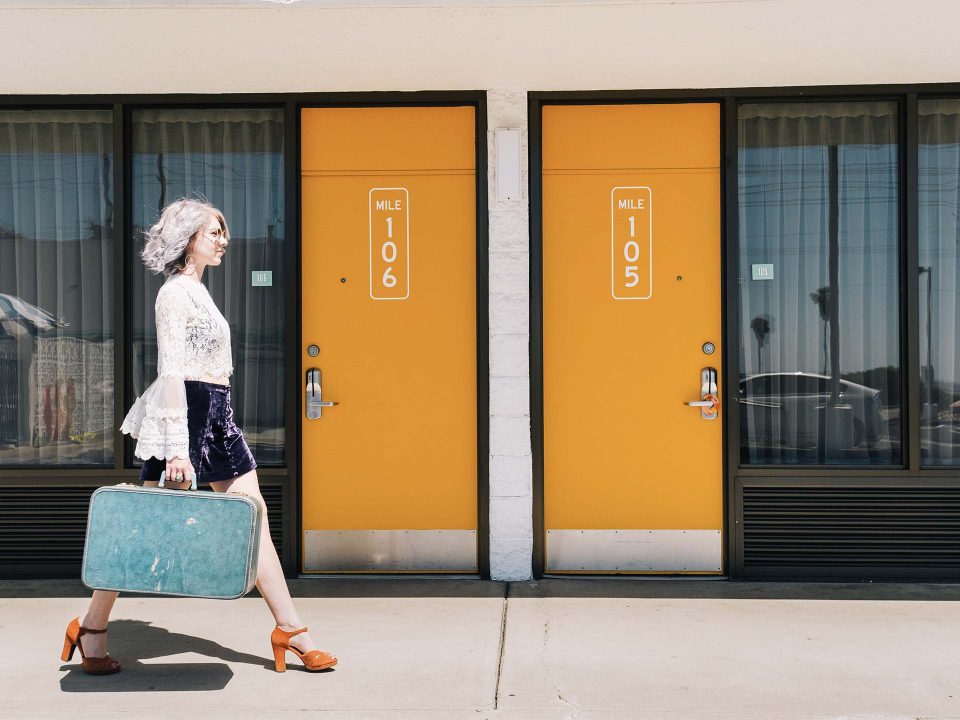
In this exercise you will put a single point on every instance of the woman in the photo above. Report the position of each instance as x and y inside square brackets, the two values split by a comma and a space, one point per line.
[183, 422]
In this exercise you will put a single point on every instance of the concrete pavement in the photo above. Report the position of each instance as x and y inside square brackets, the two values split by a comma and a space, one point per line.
[453, 648]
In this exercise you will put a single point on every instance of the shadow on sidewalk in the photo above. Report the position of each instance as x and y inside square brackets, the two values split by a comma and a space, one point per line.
[137, 677]
[133, 641]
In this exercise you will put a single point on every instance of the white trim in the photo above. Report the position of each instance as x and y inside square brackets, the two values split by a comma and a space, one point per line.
[613, 250]
[370, 239]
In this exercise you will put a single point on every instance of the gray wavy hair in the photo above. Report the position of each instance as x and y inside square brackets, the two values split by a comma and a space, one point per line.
[167, 242]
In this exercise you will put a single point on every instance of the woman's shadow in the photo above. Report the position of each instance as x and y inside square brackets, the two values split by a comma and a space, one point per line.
[132, 641]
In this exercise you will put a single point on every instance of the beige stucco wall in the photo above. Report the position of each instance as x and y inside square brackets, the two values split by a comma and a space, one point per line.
[251, 46]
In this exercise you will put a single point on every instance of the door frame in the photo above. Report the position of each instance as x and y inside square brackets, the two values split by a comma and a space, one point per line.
[476, 100]
[536, 101]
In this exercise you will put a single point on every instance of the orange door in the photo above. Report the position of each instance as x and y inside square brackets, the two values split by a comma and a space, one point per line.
[389, 306]
[631, 332]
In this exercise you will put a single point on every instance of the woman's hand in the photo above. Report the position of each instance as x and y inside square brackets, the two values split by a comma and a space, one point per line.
[181, 467]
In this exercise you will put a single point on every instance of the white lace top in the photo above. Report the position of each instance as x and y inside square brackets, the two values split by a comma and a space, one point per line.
[193, 340]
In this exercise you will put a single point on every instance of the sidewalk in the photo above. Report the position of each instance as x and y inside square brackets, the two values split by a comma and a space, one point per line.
[458, 649]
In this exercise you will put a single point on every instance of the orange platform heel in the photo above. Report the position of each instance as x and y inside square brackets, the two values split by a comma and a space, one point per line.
[92, 665]
[312, 661]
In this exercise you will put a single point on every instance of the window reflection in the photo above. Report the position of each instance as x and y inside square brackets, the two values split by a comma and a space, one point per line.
[233, 158]
[819, 288]
[56, 287]
[939, 236]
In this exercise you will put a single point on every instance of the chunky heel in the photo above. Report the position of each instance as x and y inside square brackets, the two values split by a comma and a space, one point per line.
[105, 665]
[279, 658]
[68, 647]
[313, 660]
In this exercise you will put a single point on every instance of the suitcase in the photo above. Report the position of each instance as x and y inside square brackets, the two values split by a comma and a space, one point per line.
[171, 542]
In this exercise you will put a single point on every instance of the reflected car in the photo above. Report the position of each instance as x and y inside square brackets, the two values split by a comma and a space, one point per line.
[789, 407]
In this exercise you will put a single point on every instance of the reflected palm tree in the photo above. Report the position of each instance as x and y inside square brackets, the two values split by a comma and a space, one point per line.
[821, 298]
[928, 394]
[761, 328]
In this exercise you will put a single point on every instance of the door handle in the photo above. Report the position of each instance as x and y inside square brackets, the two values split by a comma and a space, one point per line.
[314, 390]
[709, 402]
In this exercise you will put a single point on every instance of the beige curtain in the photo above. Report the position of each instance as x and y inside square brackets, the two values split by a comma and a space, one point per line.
[820, 343]
[56, 287]
[939, 235]
[233, 158]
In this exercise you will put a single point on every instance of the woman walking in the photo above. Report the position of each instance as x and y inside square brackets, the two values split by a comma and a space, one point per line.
[183, 422]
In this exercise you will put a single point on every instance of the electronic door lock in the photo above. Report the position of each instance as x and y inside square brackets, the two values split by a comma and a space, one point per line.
[709, 402]
[314, 390]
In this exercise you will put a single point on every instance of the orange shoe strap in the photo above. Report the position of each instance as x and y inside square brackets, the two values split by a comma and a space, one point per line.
[316, 655]
[291, 633]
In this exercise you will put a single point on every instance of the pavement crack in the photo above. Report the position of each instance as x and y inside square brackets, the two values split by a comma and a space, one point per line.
[503, 637]
[543, 660]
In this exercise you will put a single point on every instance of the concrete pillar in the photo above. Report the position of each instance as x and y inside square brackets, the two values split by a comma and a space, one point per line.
[511, 474]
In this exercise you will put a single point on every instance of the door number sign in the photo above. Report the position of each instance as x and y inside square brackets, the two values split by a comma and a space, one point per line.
[631, 243]
[389, 244]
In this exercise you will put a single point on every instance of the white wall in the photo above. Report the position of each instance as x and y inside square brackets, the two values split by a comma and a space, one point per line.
[266, 46]
[506, 47]
[511, 494]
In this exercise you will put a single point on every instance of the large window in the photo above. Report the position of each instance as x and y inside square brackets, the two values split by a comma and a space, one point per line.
[233, 158]
[939, 306]
[819, 285]
[56, 287]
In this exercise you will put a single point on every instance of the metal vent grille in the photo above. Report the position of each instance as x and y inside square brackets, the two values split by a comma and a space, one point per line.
[896, 528]
[42, 529]
[273, 497]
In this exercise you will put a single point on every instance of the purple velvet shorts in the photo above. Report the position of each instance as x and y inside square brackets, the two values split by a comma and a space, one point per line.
[217, 448]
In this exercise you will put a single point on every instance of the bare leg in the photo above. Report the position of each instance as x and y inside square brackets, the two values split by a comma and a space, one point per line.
[96, 618]
[270, 579]
[98, 615]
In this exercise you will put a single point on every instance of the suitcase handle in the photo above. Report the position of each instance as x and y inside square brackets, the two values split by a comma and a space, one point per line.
[193, 480]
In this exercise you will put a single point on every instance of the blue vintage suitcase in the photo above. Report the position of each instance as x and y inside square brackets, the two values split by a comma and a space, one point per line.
[171, 542]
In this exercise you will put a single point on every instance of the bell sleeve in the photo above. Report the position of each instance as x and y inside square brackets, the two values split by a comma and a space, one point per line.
[158, 418]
